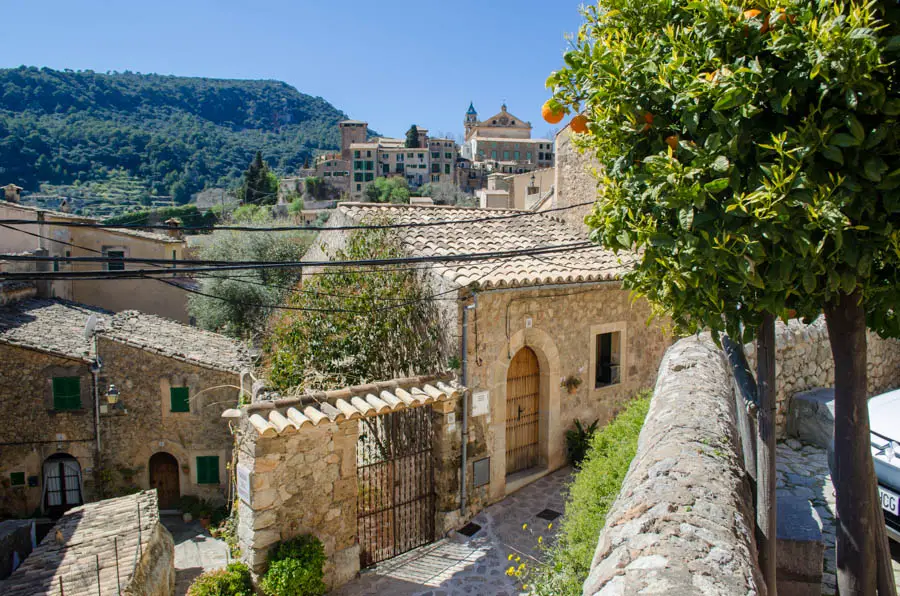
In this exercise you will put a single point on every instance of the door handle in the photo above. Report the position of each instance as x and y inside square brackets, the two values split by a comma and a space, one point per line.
[520, 413]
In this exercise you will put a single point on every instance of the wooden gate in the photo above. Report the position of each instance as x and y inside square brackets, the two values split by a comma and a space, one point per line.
[523, 390]
[395, 471]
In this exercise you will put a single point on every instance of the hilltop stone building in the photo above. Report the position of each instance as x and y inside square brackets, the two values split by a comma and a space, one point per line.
[128, 401]
[165, 298]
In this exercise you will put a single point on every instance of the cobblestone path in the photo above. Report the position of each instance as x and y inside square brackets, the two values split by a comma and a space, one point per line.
[195, 551]
[455, 566]
[803, 472]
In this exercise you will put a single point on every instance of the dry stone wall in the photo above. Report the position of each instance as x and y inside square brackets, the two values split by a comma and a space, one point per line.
[683, 521]
[803, 361]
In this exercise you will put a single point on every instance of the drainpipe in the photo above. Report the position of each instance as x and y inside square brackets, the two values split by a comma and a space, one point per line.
[95, 373]
[465, 409]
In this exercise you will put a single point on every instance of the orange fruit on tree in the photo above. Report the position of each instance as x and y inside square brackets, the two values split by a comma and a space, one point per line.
[751, 14]
[648, 117]
[579, 124]
[672, 142]
[552, 113]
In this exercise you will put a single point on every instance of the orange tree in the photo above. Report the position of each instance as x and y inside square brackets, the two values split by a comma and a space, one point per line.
[751, 153]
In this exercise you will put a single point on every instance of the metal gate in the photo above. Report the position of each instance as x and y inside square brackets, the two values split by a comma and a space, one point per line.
[523, 387]
[395, 470]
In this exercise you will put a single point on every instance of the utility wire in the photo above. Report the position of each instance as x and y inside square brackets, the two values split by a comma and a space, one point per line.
[226, 266]
[387, 226]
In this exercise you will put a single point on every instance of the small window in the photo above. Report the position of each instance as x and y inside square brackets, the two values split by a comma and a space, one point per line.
[179, 399]
[528, 156]
[506, 156]
[115, 254]
[359, 187]
[356, 154]
[446, 168]
[66, 393]
[17, 478]
[370, 177]
[56, 264]
[608, 359]
[208, 469]
[357, 177]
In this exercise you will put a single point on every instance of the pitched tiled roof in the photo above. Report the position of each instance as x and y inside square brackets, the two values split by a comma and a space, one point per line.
[286, 416]
[174, 340]
[57, 326]
[53, 326]
[531, 230]
[82, 539]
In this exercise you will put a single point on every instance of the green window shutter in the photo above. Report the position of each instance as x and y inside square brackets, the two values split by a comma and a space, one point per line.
[17, 478]
[208, 469]
[66, 393]
[180, 399]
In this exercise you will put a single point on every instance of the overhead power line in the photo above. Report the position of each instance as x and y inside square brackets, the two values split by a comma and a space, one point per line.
[233, 266]
[386, 226]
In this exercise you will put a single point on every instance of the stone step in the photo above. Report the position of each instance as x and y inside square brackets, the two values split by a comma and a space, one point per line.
[800, 548]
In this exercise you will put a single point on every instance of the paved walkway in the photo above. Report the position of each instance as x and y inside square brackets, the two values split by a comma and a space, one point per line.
[455, 566]
[195, 551]
[803, 472]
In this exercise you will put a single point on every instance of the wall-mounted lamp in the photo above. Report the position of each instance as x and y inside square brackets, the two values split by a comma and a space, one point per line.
[112, 396]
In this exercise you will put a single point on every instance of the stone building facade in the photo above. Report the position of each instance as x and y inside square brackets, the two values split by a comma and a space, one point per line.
[151, 296]
[71, 444]
[587, 343]
[576, 180]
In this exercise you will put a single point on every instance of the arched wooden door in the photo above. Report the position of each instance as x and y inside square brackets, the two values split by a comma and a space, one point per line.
[164, 478]
[523, 392]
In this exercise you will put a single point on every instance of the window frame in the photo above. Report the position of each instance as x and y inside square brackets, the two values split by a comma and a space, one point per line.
[63, 402]
[186, 400]
[596, 331]
[107, 250]
[203, 471]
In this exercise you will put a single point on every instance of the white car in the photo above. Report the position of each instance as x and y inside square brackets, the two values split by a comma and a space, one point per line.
[884, 419]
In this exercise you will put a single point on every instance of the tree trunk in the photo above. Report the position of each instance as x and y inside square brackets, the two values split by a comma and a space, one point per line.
[854, 473]
[766, 503]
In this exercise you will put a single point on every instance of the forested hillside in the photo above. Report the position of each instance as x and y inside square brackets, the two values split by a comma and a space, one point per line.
[178, 134]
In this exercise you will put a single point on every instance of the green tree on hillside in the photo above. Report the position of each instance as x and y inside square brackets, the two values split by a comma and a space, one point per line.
[753, 156]
[412, 137]
[260, 185]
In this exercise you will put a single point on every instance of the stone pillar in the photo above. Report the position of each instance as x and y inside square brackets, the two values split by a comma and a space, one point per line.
[447, 426]
[301, 483]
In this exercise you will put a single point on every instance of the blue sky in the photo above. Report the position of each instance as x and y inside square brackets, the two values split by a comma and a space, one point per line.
[408, 61]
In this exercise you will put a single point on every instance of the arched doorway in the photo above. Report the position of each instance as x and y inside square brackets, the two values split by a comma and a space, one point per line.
[62, 484]
[164, 478]
[523, 392]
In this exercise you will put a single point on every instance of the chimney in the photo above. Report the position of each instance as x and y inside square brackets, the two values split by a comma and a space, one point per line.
[12, 193]
[174, 230]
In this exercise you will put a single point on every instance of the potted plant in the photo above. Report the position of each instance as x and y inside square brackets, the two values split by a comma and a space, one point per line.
[571, 383]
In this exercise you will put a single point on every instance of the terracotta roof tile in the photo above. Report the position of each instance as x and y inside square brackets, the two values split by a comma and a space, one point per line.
[528, 231]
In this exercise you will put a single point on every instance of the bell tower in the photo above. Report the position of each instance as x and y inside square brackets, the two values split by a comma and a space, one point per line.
[471, 120]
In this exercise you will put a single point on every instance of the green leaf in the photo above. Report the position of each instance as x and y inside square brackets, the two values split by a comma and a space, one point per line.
[720, 164]
[661, 239]
[874, 168]
[844, 140]
[686, 217]
[809, 281]
[891, 107]
[856, 128]
[876, 137]
[832, 153]
[848, 282]
[732, 98]
[716, 186]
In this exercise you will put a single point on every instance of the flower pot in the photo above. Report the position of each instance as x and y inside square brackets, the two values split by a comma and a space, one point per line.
[187, 517]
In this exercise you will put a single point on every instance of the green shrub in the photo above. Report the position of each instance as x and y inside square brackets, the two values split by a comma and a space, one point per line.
[295, 568]
[234, 580]
[593, 490]
[578, 441]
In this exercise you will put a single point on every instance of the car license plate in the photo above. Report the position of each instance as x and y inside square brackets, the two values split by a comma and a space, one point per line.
[889, 501]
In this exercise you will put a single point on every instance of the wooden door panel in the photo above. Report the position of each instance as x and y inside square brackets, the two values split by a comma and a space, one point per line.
[522, 411]
[164, 478]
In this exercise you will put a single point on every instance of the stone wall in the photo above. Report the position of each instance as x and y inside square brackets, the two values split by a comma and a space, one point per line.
[34, 430]
[148, 426]
[683, 521]
[560, 325]
[803, 361]
[303, 483]
[576, 181]
[17, 540]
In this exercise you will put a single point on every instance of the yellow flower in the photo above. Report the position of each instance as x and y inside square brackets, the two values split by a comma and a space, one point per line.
[524, 586]
[509, 558]
[550, 526]
[522, 566]
[518, 558]
[540, 539]
[510, 571]
[524, 526]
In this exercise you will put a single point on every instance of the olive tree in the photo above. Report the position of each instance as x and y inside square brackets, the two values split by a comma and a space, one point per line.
[750, 153]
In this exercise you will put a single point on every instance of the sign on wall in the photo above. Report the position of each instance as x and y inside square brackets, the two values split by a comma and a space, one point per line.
[243, 483]
[481, 405]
